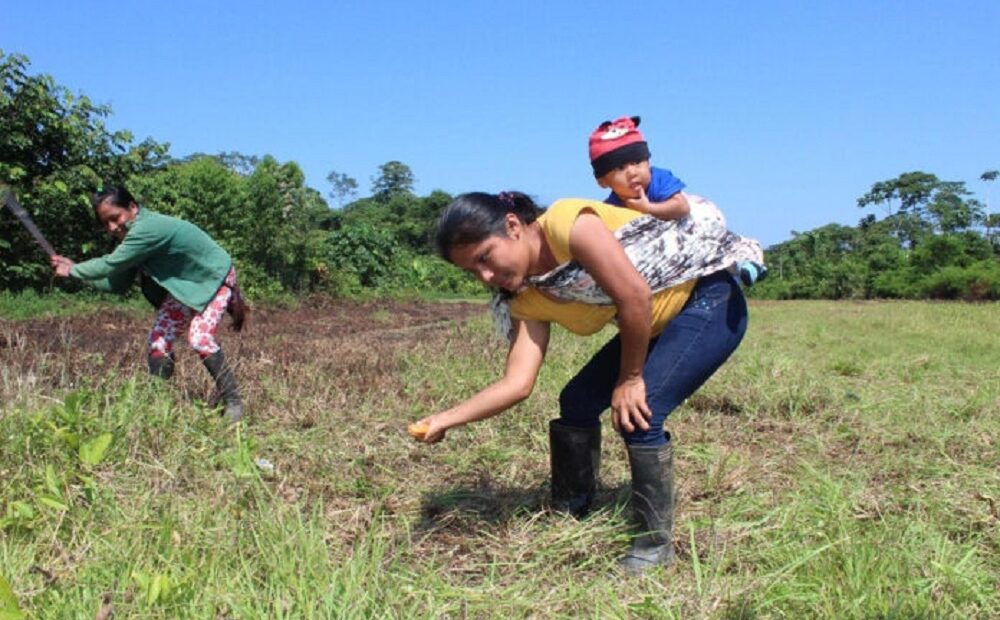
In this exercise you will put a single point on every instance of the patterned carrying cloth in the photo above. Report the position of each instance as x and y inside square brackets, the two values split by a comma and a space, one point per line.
[664, 252]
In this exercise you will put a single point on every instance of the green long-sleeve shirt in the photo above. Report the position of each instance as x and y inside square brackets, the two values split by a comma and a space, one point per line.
[177, 256]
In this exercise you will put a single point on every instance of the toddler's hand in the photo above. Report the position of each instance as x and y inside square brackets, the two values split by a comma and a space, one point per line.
[640, 203]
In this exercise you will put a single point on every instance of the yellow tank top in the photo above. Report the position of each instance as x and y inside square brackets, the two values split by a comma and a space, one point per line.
[580, 318]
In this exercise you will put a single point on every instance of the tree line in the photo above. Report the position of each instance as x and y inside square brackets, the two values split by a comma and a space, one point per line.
[934, 240]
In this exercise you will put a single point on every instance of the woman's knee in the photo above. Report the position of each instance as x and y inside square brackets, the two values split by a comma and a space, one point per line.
[159, 347]
[202, 341]
[576, 406]
[161, 340]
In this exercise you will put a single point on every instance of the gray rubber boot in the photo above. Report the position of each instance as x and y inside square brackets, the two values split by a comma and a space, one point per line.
[576, 464]
[653, 504]
[225, 384]
[161, 366]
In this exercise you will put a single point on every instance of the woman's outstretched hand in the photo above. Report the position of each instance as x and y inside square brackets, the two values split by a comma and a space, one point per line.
[61, 265]
[428, 430]
[628, 406]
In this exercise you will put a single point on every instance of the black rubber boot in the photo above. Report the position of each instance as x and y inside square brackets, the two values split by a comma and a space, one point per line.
[161, 366]
[225, 384]
[653, 503]
[576, 464]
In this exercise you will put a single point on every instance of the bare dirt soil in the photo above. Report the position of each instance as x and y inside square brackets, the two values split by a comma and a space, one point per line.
[113, 341]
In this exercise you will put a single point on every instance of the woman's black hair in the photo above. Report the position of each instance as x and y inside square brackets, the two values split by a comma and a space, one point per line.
[117, 195]
[472, 217]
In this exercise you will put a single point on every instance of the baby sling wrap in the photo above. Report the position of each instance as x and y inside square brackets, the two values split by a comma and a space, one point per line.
[664, 252]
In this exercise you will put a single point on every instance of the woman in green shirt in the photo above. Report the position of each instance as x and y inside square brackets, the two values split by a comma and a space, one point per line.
[184, 273]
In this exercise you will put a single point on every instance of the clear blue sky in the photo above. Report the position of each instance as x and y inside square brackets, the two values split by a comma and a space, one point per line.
[782, 112]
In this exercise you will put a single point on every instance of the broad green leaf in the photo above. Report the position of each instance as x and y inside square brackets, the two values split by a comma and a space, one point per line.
[141, 580]
[8, 604]
[92, 452]
[71, 438]
[52, 503]
[19, 514]
[22, 510]
[71, 405]
[52, 482]
[165, 585]
[159, 586]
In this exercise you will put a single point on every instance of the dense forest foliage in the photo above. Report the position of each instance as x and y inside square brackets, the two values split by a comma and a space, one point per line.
[56, 150]
[935, 239]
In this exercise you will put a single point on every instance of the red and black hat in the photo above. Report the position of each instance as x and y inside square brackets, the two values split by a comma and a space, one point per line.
[615, 143]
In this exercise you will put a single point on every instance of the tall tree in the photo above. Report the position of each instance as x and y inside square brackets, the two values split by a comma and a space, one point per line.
[991, 220]
[239, 163]
[394, 177]
[919, 203]
[345, 187]
[282, 222]
[905, 193]
[992, 225]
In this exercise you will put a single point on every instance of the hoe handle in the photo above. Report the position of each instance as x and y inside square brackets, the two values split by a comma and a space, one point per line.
[25, 219]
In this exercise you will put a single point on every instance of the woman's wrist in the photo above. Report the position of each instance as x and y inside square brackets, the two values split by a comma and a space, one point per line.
[627, 377]
[451, 418]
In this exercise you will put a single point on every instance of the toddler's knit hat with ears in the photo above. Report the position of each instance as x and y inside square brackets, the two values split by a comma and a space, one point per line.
[615, 143]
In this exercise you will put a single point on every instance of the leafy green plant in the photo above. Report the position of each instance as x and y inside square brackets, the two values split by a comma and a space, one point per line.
[18, 515]
[154, 588]
[976, 282]
[362, 250]
[92, 452]
[8, 603]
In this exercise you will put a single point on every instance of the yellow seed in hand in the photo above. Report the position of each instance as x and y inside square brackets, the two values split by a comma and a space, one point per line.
[418, 430]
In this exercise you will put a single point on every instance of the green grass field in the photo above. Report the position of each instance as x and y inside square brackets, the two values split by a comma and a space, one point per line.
[844, 464]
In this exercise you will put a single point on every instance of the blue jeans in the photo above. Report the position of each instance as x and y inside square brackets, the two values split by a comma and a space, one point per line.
[694, 344]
